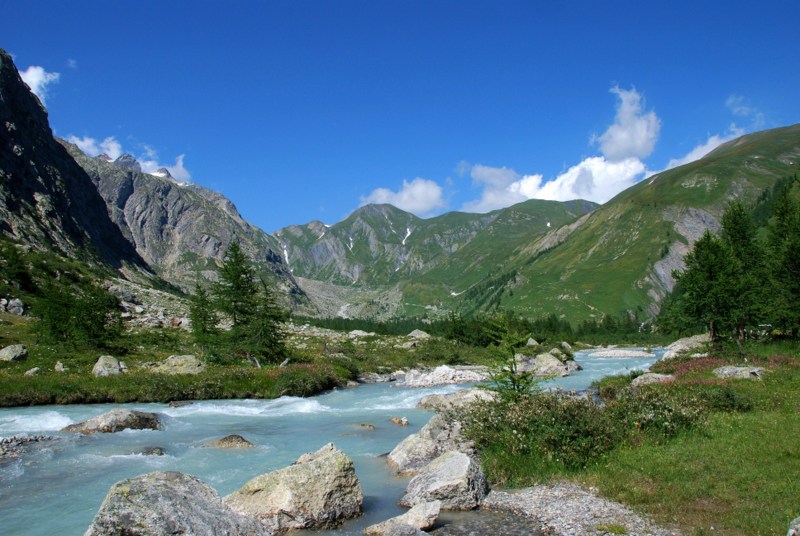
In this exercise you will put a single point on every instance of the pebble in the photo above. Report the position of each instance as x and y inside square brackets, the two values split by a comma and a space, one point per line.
[566, 508]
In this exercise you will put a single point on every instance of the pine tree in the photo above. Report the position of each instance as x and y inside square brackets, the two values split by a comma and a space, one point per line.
[203, 316]
[784, 243]
[709, 284]
[250, 302]
[750, 283]
[236, 291]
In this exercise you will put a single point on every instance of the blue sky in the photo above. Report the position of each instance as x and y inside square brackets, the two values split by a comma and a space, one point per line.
[304, 110]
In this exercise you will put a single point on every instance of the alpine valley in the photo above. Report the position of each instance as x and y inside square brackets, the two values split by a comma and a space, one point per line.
[575, 259]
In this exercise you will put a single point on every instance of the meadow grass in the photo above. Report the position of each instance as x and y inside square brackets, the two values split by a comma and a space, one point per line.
[734, 472]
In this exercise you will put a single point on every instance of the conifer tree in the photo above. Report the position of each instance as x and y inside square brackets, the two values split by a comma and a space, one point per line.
[784, 243]
[750, 283]
[709, 284]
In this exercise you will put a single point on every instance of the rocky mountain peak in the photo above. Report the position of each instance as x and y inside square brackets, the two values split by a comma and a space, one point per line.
[163, 173]
[104, 157]
[127, 161]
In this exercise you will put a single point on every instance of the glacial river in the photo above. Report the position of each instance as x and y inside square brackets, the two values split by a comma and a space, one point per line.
[59, 487]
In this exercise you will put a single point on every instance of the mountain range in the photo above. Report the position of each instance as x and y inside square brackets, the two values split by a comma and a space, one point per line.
[575, 259]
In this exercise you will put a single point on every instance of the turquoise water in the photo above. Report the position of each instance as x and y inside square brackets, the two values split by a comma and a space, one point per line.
[58, 489]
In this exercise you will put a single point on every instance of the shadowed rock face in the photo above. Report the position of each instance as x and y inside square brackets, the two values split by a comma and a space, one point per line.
[46, 199]
[168, 503]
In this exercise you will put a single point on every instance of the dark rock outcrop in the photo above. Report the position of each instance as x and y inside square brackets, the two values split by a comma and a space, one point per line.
[46, 199]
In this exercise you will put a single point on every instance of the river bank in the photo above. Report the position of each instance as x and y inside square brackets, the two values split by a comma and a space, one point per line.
[59, 487]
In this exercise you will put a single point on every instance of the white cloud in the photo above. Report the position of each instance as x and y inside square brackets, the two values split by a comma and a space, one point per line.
[149, 160]
[150, 164]
[109, 146]
[631, 137]
[420, 196]
[594, 179]
[39, 80]
[634, 133]
[706, 147]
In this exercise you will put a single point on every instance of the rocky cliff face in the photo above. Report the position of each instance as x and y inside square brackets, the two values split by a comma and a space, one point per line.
[181, 230]
[46, 199]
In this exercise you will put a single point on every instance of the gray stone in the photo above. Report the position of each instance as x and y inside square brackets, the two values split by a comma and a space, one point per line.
[457, 400]
[739, 373]
[168, 503]
[14, 352]
[320, 490]
[532, 342]
[422, 516]
[566, 346]
[686, 345]
[435, 438]
[154, 451]
[419, 334]
[108, 366]
[453, 478]
[794, 527]
[650, 378]
[60, 367]
[444, 375]
[180, 364]
[233, 441]
[32, 372]
[16, 307]
[117, 420]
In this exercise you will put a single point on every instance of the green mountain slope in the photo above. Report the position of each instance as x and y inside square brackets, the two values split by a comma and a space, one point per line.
[621, 256]
[382, 247]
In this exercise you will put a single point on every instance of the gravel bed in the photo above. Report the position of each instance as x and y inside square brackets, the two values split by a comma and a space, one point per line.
[568, 509]
[484, 522]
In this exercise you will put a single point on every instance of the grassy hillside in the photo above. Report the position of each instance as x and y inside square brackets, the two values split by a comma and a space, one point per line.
[621, 257]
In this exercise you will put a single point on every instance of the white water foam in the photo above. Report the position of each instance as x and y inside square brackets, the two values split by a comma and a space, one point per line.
[407, 398]
[48, 421]
[251, 408]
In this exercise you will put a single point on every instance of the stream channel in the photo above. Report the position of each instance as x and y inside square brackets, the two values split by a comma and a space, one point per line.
[58, 487]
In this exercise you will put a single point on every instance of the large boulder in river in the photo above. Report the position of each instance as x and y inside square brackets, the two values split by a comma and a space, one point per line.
[320, 490]
[543, 365]
[233, 441]
[117, 420]
[108, 366]
[444, 375]
[435, 438]
[422, 516]
[457, 400]
[180, 364]
[168, 503]
[15, 352]
[453, 478]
